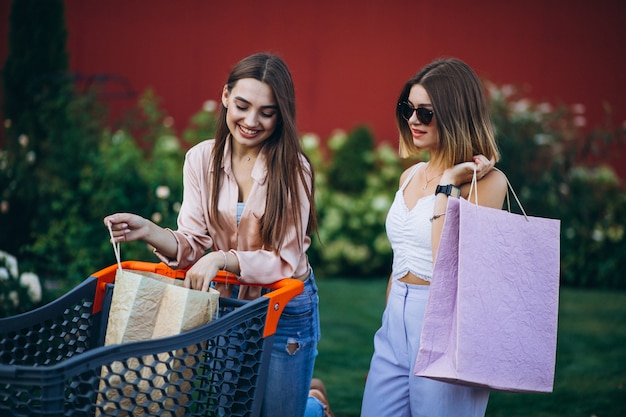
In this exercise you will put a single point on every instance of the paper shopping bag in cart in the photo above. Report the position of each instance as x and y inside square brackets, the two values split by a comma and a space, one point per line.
[491, 316]
[145, 306]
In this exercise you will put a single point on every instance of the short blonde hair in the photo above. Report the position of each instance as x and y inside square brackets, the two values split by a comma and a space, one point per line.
[461, 112]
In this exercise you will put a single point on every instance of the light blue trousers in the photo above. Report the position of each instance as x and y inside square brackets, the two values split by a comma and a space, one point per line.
[391, 388]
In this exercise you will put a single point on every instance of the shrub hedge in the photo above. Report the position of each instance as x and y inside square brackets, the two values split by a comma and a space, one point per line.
[89, 170]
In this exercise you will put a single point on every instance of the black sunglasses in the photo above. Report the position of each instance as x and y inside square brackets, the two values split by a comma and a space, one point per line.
[424, 115]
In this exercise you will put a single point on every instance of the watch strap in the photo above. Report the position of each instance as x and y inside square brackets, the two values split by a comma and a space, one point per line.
[450, 190]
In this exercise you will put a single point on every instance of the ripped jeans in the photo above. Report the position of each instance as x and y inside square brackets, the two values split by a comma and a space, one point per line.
[293, 355]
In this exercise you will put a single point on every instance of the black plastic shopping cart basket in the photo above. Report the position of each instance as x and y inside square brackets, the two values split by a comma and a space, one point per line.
[53, 361]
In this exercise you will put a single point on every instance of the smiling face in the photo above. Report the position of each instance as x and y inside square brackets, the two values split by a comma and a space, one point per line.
[424, 137]
[252, 112]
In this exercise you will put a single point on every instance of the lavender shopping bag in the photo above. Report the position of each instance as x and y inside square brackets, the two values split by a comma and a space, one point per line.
[491, 317]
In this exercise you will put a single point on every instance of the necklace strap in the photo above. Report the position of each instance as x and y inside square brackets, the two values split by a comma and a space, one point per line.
[428, 181]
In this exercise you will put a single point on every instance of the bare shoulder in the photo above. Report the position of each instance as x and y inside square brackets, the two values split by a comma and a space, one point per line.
[406, 173]
[495, 180]
[492, 189]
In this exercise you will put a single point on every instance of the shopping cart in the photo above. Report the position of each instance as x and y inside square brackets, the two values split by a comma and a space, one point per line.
[53, 361]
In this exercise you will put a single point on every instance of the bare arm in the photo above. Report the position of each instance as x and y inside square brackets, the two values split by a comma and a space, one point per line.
[127, 227]
[491, 191]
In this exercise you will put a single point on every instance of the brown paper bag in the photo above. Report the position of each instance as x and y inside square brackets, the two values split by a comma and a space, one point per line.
[147, 306]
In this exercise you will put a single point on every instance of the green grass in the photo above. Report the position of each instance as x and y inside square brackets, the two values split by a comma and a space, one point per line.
[590, 375]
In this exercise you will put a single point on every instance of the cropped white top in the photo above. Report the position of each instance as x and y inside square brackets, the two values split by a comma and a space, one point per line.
[409, 234]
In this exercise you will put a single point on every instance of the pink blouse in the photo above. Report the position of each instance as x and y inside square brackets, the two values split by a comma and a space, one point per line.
[197, 231]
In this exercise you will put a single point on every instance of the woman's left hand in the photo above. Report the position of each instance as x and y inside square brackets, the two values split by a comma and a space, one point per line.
[463, 173]
[200, 275]
[483, 166]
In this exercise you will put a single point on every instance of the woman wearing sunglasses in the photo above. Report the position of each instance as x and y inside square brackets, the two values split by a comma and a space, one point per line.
[443, 111]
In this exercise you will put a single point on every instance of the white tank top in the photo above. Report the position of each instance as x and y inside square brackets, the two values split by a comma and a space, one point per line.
[409, 234]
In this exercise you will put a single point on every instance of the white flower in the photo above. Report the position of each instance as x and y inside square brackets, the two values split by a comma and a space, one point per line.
[508, 90]
[380, 203]
[597, 235]
[15, 298]
[209, 106]
[310, 141]
[168, 121]
[30, 157]
[520, 106]
[157, 217]
[10, 262]
[23, 140]
[580, 121]
[31, 281]
[117, 137]
[169, 143]
[542, 139]
[163, 192]
[544, 108]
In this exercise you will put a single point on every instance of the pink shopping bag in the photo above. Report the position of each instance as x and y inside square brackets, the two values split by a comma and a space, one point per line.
[491, 317]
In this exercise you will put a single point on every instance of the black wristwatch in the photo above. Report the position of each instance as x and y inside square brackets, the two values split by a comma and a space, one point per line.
[449, 190]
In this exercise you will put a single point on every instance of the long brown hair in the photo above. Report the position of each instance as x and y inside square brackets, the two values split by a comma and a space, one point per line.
[461, 112]
[288, 168]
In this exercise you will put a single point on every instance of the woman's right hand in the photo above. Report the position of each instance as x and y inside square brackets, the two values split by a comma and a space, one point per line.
[127, 227]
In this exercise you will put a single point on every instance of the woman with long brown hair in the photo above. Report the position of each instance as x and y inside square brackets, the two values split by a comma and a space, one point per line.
[248, 199]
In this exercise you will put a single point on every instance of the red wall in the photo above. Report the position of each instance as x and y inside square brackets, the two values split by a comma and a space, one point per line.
[350, 58]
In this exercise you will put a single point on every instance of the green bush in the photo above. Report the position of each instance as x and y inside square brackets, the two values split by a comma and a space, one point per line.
[136, 168]
[352, 161]
[545, 156]
[92, 171]
[352, 209]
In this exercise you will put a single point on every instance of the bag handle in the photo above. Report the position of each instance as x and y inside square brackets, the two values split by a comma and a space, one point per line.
[116, 246]
[474, 188]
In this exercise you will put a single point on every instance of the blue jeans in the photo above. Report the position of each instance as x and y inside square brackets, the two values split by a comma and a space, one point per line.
[293, 356]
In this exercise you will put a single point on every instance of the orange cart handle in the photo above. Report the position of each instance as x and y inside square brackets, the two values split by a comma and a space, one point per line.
[282, 291]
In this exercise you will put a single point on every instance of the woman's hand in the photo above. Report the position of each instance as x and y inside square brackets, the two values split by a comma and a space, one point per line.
[483, 166]
[491, 194]
[462, 173]
[127, 227]
[492, 190]
[200, 275]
